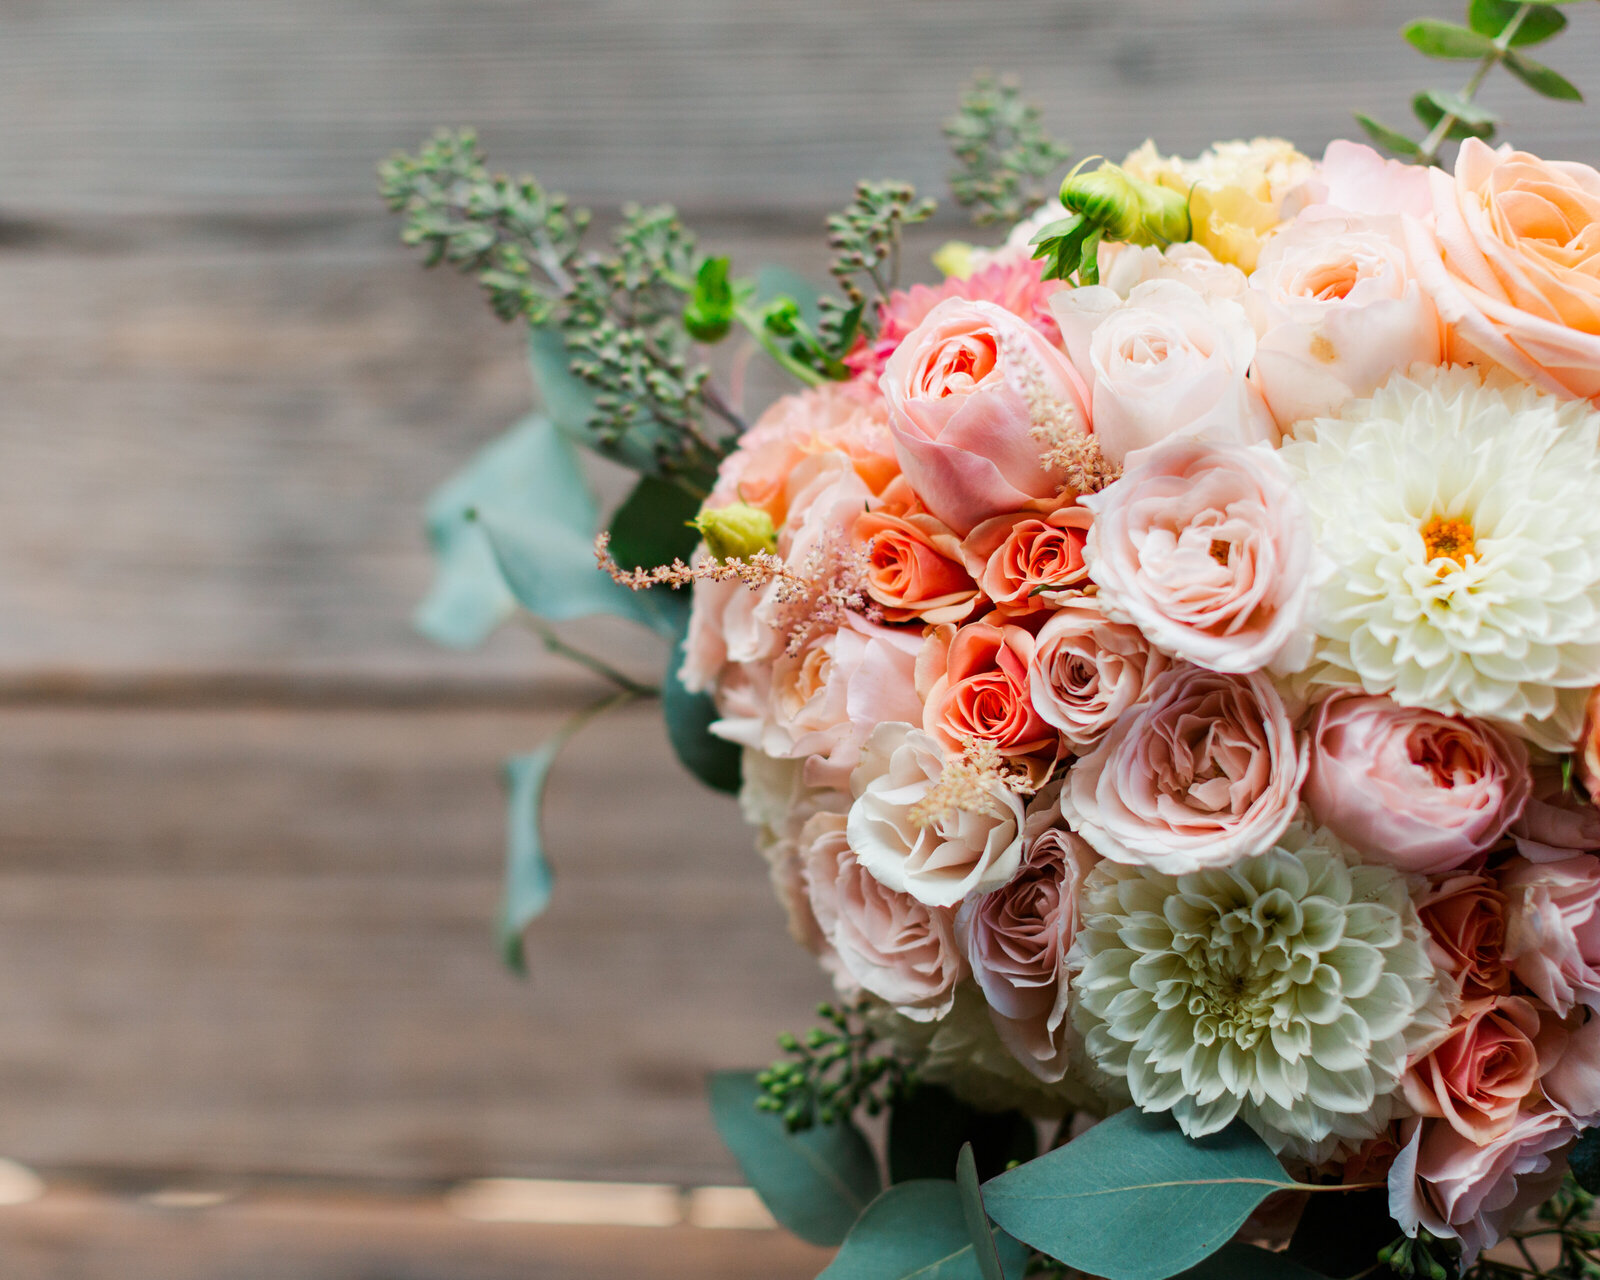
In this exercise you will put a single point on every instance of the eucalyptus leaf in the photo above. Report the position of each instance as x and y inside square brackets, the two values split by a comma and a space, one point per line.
[715, 761]
[1440, 39]
[916, 1231]
[1090, 1203]
[651, 527]
[928, 1126]
[978, 1229]
[1540, 78]
[1471, 121]
[1491, 17]
[817, 1182]
[1391, 139]
[1248, 1262]
[569, 401]
[1584, 1160]
[528, 879]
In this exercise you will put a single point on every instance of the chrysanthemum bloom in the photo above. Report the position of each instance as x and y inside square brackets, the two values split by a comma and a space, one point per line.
[1288, 989]
[1464, 519]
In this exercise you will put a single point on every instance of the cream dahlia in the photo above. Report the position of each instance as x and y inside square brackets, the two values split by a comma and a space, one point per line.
[1287, 989]
[1464, 517]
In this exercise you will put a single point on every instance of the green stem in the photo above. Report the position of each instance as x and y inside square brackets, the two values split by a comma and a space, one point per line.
[1429, 151]
[752, 323]
[555, 644]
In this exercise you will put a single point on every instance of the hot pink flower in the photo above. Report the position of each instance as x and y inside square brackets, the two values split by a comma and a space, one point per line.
[1419, 790]
[1087, 671]
[966, 390]
[1478, 1076]
[1553, 928]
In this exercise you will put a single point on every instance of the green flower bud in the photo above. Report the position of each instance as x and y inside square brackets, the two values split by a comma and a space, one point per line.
[1127, 208]
[736, 532]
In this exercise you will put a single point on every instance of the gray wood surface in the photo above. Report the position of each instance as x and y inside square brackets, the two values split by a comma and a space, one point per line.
[249, 823]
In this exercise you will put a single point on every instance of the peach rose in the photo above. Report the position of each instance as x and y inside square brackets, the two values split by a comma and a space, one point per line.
[775, 800]
[1024, 561]
[1208, 549]
[1413, 788]
[1016, 940]
[1456, 1188]
[887, 943]
[1553, 929]
[979, 689]
[1339, 311]
[1513, 264]
[1167, 361]
[1588, 753]
[965, 390]
[1205, 771]
[1466, 914]
[1087, 671]
[1477, 1077]
[915, 570]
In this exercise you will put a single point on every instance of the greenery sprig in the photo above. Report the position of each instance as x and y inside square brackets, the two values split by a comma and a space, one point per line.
[831, 1072]
[1004, 156]
[1496, 33]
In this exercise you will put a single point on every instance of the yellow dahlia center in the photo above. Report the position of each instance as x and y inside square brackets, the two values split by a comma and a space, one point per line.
[1448, 539]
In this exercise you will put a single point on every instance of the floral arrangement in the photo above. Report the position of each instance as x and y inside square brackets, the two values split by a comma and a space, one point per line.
[1159, 660]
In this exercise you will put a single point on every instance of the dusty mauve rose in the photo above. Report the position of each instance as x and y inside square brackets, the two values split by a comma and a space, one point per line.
[1456, 1188]
[1204, 772]
[1167, 361]
[887, 943]
[1207, 548]
[1553, 928]
[1557, 822]
[1421, 791]
[965, 391]
[1466, 914]
[1088, 670]
[937, 858]
[1572, 1082]
[979, 689]
[1512, 262]
[1013, 556]
[1478, 1076]
[1339, 311]
[1588, 754]
[1016, 939]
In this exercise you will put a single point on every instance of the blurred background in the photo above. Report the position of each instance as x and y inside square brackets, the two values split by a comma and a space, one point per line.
[252, 1021]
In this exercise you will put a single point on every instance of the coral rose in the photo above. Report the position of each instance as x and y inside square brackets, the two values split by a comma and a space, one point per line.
[1204, 772]
[1553, 929]
[1466, 914]
[1414, 788]
[977, 687]
[1087, 671]
[888, 943]
[1513, 264]
[1207, 548]
[1477, 1077]
[915, 570]
[966, 390]
[1023, 561]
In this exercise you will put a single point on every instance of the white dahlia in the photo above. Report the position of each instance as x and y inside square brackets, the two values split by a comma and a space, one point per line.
[1464, 519]
[1287, 989]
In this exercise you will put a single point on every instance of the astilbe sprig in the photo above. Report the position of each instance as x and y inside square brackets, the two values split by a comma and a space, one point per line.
[1004, 156]
[831, 1072]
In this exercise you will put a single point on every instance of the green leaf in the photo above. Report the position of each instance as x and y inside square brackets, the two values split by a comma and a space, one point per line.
[714, 760]
[816, 1183]
[1091, 1203]
[1247, 1262]
[1445, 39]
[1541, 79]
[528, 879]
[1491, 17]
[1471, 121]
[929, 1125]
[1391, 139]
[779, 282]
[651, 527]
[978, 1229]
[530, 467]
[1340, 1234]
[1584, 1160]
[916, 1231]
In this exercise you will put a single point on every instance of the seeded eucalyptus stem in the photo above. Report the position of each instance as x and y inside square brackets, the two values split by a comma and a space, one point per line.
[1429, 150]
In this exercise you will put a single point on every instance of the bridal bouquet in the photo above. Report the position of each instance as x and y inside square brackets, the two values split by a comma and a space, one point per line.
[1159, 661]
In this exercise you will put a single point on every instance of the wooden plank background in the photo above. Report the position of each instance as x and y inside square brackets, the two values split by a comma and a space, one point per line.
[249, 823]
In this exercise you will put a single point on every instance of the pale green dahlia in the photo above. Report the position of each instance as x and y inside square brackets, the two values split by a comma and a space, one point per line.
[1286, 989]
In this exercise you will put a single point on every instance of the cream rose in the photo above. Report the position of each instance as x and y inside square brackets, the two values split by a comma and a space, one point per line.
[1087, 671]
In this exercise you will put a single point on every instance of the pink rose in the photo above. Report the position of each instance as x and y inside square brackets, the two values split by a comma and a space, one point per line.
[1167, 361]
[1557, 822]
[1553, 928]
[1023, 561]
[1205, 771]
[1356, 179]
[888, 943]
[1513, 264]
[1477, 1077]
[980, 689]
[1339, 312]
[965, 391]
[1207, 548]
[1572, 1082]
[1413, 788]
[1466, 914]
[1087, 671]
[1456, 1188]
[1016, 939]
